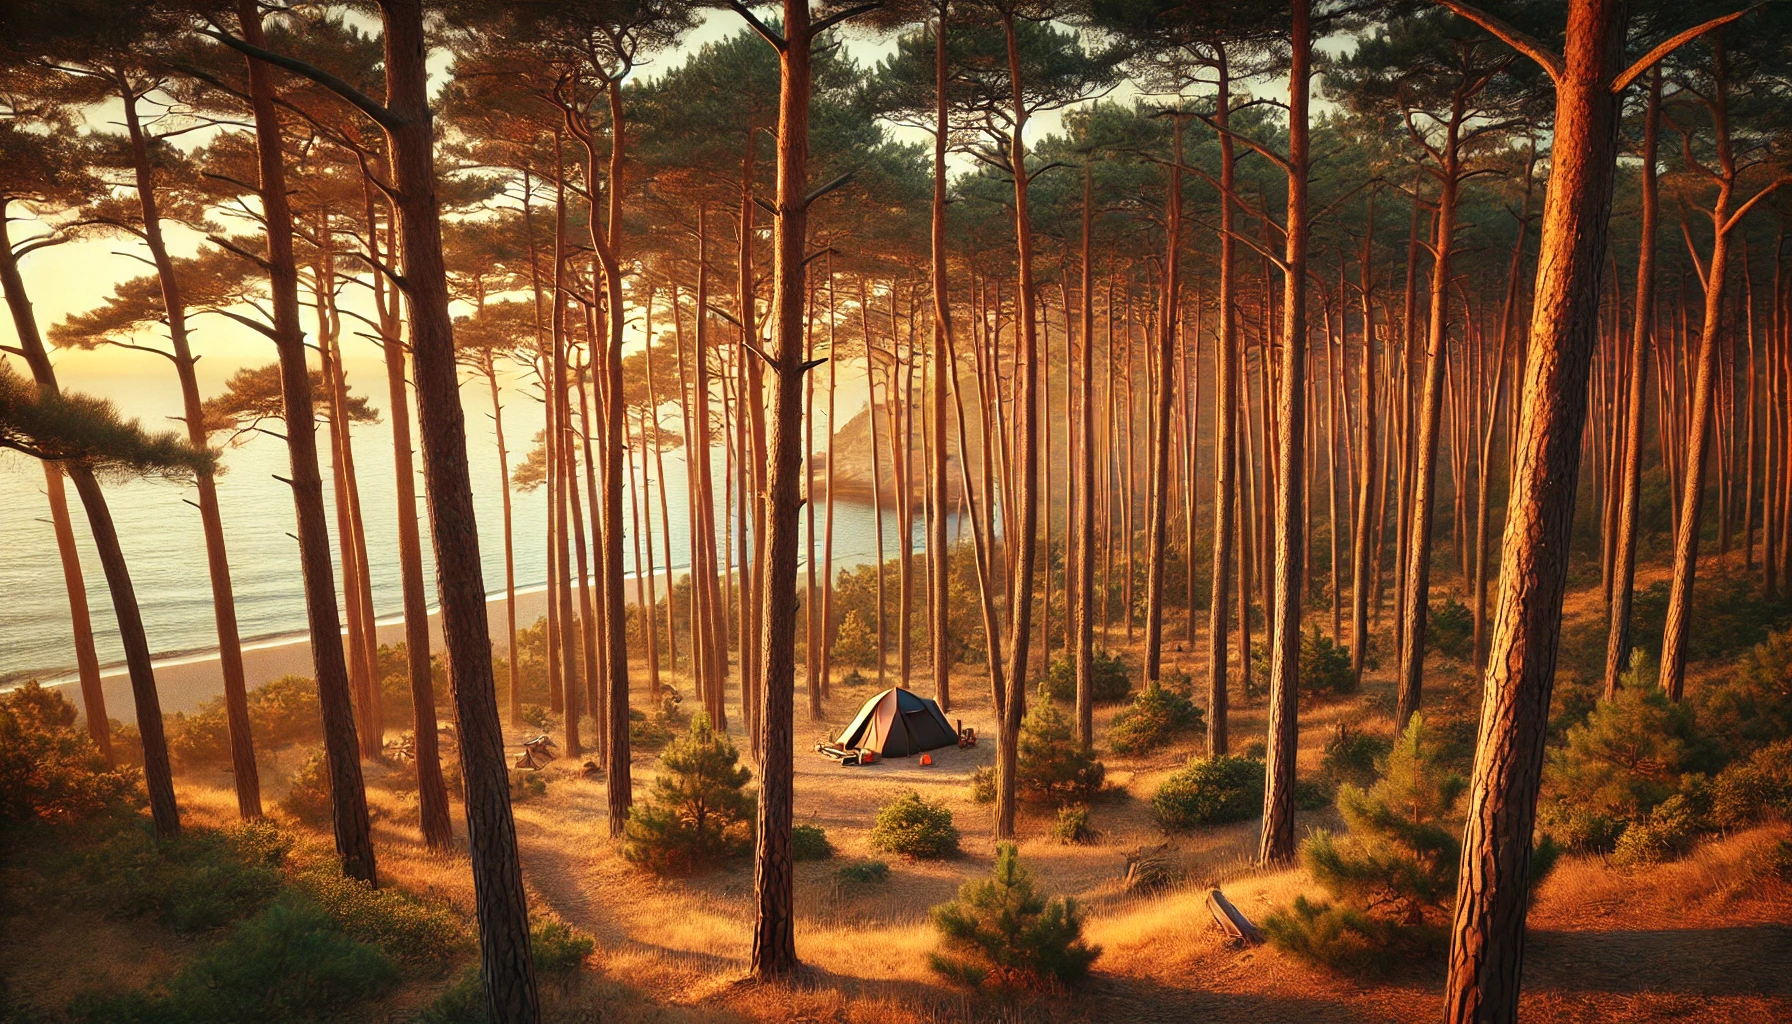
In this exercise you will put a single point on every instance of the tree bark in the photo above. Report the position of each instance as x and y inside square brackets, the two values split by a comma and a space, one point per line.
[1617, 646]
[1277, 844]
[1493, 891]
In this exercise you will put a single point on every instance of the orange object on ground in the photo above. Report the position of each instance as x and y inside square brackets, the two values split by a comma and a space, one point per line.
[926, 759]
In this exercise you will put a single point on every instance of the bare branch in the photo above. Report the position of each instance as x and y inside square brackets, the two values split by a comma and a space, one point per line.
[1672, 43]
[1547, 59]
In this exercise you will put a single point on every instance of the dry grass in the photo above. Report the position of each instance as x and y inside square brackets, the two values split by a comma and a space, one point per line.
[1703, 939]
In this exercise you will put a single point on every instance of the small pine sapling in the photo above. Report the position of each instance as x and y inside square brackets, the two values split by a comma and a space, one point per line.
[1001, 932]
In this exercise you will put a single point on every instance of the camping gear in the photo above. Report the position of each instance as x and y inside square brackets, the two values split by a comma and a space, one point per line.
[1231, 920]
[847, 756]
[966, 737]
[898, 723]
[536, 753]
[926, 760]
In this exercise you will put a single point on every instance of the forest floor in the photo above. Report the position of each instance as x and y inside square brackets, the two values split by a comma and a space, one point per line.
[1705, 938]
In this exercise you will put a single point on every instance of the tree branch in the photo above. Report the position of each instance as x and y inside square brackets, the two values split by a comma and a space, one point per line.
[758, 26]
[1525, 44]
[1674, 42]
[355, 97]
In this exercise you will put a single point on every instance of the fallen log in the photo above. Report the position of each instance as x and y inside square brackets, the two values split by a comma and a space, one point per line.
[1232, 921]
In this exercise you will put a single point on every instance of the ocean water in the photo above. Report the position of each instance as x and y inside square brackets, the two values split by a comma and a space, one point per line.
[163, 544]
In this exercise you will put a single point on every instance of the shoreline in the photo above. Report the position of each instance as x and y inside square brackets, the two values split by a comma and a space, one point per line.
[187, 679]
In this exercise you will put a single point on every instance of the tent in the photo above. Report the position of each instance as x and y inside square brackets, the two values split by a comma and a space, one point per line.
[898, 723]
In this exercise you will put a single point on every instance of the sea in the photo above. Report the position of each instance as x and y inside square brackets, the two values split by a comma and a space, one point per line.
[160, 530]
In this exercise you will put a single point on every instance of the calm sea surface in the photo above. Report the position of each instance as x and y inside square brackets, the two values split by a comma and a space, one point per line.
[163, 543]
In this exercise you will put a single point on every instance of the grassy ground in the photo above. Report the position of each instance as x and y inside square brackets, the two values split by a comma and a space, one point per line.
[1707, 938]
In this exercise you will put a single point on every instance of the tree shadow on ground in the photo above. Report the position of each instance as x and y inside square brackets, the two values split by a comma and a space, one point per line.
[1743, 960]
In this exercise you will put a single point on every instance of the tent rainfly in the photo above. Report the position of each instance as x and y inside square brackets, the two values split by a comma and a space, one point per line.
[898, 723]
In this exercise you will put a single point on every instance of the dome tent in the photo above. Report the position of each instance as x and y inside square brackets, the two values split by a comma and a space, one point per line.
[898, 723]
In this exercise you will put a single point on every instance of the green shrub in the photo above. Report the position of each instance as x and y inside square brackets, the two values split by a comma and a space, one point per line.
[287, 963]
[196, 881]
[1002, 932]
[983, 784]
[1073, 828]
[1158, 716]
[1353, 756]
[1666, 833]
[1401, 852]
[1450, 630]
[1760, 787]
[308, 798]
[866, 871]
[1050, 763]
[405, 926]
[50, 770]
[281, 713]
[537, 717]
[558, 947]
[1584, 830]
[855, 643]
[460, 1003]
[810, 842]
[1348, 940]
[527, 785]
[1109, 680]
[917, 828]
[667, 721]
[1324, 666]
[1629, 755]
[1393, 876]
[698, 810]
[1210, 791]
[1752, 706]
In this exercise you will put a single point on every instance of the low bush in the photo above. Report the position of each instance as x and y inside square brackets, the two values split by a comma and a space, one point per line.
[810, 842]
[460, 1003]
[196, 881]
[407, 927]
[1584, 830]
[1050, 764]
[308, 797]
[698, 810]
[527, 785]
[1001, 932]
[917, 828]
[1210, 791]
[1353, 756]
[1629, 755]
[983, 784]
[1073, 828]
[1324, 666]
[558, 947]
[287, 963]
[1450, 630]
[667, 721]
[865, 871]
[537, 717]
[281, 713]
[1349, 941]
[1751, 707]
[1393, 875]
[1748, 791]
[1157, 717]
[1109, 679]
[1666, 833]
[50, 770]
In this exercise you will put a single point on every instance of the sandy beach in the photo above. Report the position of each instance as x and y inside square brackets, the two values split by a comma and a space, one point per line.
[186, 681]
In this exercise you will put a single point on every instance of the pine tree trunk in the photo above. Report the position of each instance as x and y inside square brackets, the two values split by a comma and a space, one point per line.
[230, 651]
[1493, 891]
[507, 970]
[1164, 398]
[1225, 432]
[1617, 646]
[1277, 844]
[942, 327]
[774, 927]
